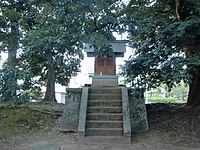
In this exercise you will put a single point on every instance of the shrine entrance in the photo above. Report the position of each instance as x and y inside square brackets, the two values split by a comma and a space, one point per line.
[105, 66]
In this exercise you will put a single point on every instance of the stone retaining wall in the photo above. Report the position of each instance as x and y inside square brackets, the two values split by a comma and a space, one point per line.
[138, 113]
[70, 115]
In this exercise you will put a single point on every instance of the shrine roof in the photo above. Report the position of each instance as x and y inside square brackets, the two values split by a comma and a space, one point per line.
[119, 48]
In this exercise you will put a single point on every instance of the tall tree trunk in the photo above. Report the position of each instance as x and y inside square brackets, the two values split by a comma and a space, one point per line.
[194, 90]
[194, 86]
[11, 82]
[192, 50]
[50, 87]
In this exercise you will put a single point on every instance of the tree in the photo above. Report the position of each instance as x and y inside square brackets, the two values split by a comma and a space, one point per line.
[11, 18]
[166, 36]
[10, 42]
[50, 36]
[101, 19]
[52, 49]
[16, 18]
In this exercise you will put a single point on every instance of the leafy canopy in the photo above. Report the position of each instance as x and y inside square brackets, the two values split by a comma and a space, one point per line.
[161, 42]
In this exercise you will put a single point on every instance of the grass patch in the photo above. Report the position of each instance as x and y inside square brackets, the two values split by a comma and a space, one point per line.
[155, 99]
[46, 106]
[26, 119]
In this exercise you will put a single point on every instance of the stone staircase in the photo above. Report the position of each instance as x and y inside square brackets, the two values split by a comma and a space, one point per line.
[104, 112]
[104, 118]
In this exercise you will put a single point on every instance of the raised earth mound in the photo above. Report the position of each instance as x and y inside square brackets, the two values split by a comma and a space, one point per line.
[171, 126]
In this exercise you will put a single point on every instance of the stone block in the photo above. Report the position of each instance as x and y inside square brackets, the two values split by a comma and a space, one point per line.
[83, 111]
[126, 112]
[104, 81]
[70, 117]
[138, 113]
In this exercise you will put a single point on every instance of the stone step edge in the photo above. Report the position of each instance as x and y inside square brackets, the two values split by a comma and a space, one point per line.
[104, 100]
[110, 100]
[107, 87]
[102, 121]
[103, 94]
[103, 107]
[104, 136]
[101, 89]
[104, 129]
[108, 114]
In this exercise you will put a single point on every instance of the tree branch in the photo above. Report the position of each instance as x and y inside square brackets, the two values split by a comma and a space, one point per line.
[179, 11]
[56, 114]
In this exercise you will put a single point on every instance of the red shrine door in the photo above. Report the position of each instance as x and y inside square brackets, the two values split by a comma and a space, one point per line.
[105, 66]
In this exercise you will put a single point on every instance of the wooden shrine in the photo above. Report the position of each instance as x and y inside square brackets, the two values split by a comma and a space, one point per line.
[107, 65]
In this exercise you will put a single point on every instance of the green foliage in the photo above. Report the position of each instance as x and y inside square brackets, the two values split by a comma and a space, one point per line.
[35, 93]
[180, 92]
[161, 43]
[12, 14]
[100, 43]
[13, 93]
[101, 19]
[55, 41]
[39, 35]
[8, 83]
[14, 80]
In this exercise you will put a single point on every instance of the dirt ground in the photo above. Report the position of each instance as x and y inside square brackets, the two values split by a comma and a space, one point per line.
[171, 127]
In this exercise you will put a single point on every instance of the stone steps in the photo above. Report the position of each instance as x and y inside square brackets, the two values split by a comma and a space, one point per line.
[104, 124]
[97, 90]
[104, 117]
[104, 97]
[109, 103]
[92, 109]
[104, 121]
[104, 131]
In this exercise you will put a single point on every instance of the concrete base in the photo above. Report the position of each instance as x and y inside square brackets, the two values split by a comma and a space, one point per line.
[104, 81]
